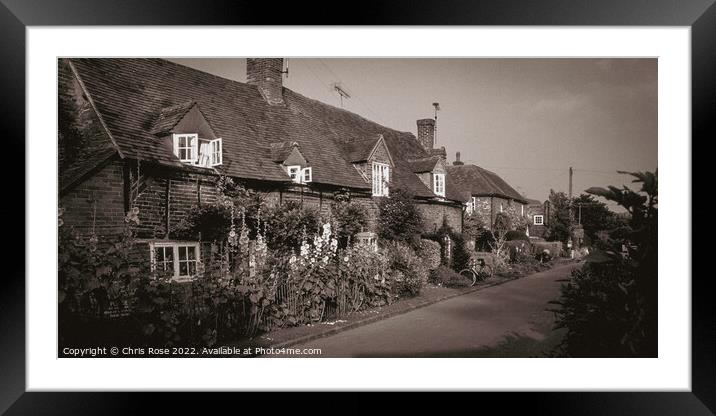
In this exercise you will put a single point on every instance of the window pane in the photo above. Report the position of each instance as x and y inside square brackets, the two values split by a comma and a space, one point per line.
[192, 268]
[182, 253]
[159, 254]
[183, 268]
[192, 252]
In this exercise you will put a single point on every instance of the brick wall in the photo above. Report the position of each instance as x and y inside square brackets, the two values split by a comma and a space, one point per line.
[433, 214]
[536, 230]
[98, 200]
[181, 191]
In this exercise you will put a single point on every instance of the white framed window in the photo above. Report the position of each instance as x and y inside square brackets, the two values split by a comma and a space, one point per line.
[186, 147]
[522, 210]
[539, 220]
[500, 206]
[381, 178]
[189, 148]
[306, 175]
[439, 184]
[294, 172]
[216, 151]
[178, 260]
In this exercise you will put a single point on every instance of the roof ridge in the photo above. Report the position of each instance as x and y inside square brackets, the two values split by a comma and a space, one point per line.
[375, 123]
[291, 91]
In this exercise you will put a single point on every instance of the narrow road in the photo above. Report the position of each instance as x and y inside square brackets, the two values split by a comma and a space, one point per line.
[509, 320]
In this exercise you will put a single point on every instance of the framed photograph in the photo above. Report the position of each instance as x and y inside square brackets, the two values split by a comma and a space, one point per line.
[470, 205]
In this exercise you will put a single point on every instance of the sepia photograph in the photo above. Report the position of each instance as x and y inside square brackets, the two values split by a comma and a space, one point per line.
[294, 207]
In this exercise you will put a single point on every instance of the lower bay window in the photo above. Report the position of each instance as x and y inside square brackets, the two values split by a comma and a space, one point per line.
[174, 259]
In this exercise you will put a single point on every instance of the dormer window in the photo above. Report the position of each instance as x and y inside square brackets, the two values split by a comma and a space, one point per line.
[439, 184]
[300, 175]
[190, 148]
[381, 177]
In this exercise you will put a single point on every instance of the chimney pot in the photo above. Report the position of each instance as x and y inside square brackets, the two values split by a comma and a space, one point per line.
[457, 161]
[267, 75]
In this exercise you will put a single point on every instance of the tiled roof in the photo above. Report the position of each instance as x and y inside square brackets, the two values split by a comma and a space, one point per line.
[359, 150]
[170, 116]
[425, 164]
[534, 202]
[281, 150]
[482, 182]
[138, 97]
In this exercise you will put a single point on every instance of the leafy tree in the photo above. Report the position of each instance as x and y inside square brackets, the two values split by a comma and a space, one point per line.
[596, 216]
[559, 217]
[399, 218]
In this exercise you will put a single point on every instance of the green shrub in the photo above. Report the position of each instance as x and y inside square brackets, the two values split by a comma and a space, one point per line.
[212, 222]
[484, 241]
[459, 258]
[516, 235]
[445, 276]
[519, 250]
[287, 224]
[430, 253]
[609, 307]
[409, 269]
[399, 218]
[350, 219]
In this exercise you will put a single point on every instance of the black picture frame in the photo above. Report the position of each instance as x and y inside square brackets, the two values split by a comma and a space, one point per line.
[15, 15]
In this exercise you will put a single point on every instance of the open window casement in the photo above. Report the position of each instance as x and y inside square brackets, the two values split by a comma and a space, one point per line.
[204, 154]
[189, 148]
[216, 152]
[306, 175]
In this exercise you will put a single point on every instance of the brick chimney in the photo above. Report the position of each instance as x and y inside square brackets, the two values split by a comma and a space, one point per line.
[457, 161]
[426, 133]
[267, 75]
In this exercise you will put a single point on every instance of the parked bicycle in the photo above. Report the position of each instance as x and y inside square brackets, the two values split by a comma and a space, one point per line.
[479, 271]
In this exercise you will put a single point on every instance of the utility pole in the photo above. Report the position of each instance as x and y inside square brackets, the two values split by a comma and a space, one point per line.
[571, 208]
[435, 134]
[570, 244]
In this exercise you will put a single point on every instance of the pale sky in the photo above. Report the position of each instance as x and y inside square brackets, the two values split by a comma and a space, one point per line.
[528, 120]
